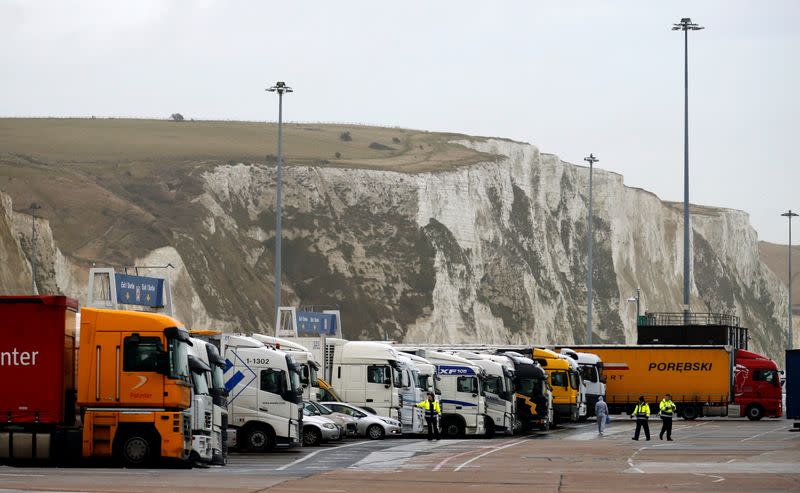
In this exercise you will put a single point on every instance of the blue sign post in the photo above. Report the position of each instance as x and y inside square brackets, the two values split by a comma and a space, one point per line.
[139, 290]
[313, 323]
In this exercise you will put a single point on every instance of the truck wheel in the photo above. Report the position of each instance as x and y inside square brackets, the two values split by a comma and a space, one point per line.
[136, 449]
[452, 429]
[755, 412]
[376, 432]
[258, 439]
[689, 413]
[311, 437]
[489, 425]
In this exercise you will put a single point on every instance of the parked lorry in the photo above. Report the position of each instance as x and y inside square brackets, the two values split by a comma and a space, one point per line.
[565, 382]
[304, 358]
[498, 391]
[202, 408]
[412, 416]
[130, 400]
[462, 400]
[534, 399]
[703, 380]
[366, 374]
[207, 343]
[265, 396]
[590, 367]
[793, 386]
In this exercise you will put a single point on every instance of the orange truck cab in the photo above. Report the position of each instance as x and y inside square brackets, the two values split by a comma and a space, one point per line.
[134, 386]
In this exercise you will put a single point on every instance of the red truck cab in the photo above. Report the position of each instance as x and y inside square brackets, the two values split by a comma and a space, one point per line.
[757, 386]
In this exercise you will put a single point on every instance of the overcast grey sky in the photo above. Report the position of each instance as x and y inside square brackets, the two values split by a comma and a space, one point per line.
[570, 77]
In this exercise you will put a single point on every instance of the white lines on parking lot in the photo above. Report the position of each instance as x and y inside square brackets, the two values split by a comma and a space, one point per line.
[781, 427]
[312, 454]
[464, 464]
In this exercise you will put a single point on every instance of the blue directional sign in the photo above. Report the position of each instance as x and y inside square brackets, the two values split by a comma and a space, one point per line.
[313, 323]
[138, 290]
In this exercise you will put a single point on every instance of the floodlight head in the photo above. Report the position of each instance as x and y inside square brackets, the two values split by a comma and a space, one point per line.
[591, 159]
[632, 300]
[280, 88]
[686, 24]
[789, 214]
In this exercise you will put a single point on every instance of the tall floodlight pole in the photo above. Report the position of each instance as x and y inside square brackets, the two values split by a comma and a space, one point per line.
[789, 215]
[589, 240]
[280, 88]
[34, 207]
[686, 25]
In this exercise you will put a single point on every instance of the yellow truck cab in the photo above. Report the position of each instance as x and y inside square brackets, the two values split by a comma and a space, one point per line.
[134, 386]
[565, 383]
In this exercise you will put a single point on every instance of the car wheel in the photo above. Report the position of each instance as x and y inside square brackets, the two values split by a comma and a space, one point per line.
[755, 412]
[311, 436]
[376, 432]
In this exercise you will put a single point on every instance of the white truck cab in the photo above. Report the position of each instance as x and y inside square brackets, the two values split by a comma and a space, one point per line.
[368, 375]
[498, 390]
[590, 367]
[264, 394]
[202, 404]
[207, 342]
[462, 401]
[412, 417]
[309, 367]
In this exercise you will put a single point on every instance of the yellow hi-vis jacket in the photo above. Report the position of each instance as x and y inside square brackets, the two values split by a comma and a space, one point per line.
[666, 408]
[642, 411]
[426, 405]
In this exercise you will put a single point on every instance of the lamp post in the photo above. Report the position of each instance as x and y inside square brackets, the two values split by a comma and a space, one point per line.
[34, 207]
[686, 25]
[789, 215]
[280, 88]
[636, 300]
[589, 240]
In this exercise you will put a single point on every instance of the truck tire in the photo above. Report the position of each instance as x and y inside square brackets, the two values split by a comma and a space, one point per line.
[137, 448]
[754, 412]
[258, 439]
[312, 437]
[489, 425]
[689, 413]
[452, 428]
[376, 432]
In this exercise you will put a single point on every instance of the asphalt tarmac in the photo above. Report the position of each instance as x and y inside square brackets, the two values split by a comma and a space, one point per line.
[707, 455]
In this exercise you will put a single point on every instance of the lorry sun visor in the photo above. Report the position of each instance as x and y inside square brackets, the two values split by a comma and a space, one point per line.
[178, 333]
[197, 365]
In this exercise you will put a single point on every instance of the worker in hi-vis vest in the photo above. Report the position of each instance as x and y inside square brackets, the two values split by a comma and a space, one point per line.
[642, 414]
[432, 412]
[666, 409]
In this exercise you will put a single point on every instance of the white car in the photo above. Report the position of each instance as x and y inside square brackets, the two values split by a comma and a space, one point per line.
[369, 425]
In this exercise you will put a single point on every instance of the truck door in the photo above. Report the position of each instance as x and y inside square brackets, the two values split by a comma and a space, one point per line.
[467, 392]
[272, 387]
[378, 390]
[140, 383]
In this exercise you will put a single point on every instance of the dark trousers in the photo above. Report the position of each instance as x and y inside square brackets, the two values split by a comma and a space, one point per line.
[642, 423]
[666, 427]
[433, 427]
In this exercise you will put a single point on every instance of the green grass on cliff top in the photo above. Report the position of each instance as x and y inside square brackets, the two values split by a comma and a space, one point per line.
[86, 141]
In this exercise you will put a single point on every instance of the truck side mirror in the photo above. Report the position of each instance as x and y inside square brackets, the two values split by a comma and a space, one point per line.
[438, 392]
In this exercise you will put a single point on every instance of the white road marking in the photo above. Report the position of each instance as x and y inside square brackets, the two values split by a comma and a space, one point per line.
[464, 464]
[312, 454]
[783, 426]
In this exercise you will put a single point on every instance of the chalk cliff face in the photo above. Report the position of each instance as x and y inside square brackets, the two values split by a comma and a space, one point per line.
[492, 252]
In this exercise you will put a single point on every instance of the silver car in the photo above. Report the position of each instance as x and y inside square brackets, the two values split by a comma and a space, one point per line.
[369, 425]
[317, 430]
[349, 423]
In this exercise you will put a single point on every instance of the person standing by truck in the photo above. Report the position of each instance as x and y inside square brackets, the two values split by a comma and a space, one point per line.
[601, 412]
[432, 412]
[642, 414]
[666, 409]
